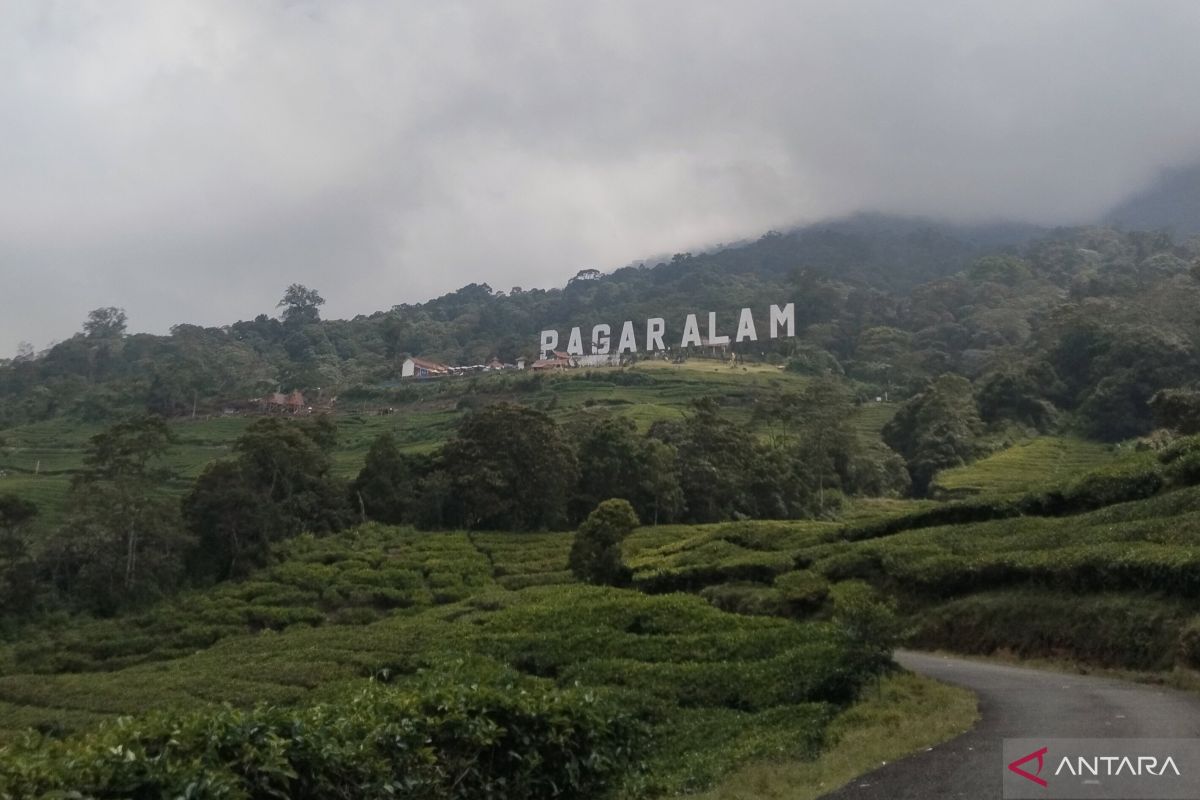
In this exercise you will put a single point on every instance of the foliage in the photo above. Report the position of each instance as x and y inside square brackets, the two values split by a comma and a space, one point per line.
[669, 660]
[18, 576]
[868, 621]
[278, 486]
[938, 428]
[301, 305]
[105, 323]
[122, 542]
[596, 552]
[1177, 409]
[455, 738]
[509, 467]
[387, 487]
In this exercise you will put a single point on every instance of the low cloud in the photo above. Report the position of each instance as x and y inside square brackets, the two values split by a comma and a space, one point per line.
[188, 161]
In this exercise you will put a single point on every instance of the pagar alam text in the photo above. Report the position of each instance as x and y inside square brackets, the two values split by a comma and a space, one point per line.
[781, 322]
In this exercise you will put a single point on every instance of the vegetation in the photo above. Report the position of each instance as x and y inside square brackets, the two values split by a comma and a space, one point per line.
[327, 589]
[596, 552]
[444, 741]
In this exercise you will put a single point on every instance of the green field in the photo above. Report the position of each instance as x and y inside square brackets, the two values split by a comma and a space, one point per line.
[1023, 467]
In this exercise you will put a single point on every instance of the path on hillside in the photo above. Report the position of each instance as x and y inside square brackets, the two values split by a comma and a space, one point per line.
[1017, 702]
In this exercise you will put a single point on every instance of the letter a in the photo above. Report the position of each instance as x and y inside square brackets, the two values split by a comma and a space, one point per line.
[628, 341]
[745, 328]
[691, 332]
[575, 343]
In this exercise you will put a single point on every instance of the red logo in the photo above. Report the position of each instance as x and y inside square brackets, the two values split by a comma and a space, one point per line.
[1040, 755]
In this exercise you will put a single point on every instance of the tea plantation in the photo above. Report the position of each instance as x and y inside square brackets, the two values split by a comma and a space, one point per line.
[385, 661]
[1103, 569]
[396, 608]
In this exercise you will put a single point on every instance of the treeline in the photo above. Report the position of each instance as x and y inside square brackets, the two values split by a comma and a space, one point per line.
[128, 538]
[1081, 326]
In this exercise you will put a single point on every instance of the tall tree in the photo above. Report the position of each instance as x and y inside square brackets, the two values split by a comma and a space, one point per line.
[936, 429]
[387, 487]
[123, 541]
[510, 468]
[279, 485]
[18, 576]
[301, 305]
[105, 323]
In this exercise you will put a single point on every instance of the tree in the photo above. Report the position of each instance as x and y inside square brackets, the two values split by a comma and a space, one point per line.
[301, 305]
[18, 575]
[610, 463]
[14, 513]
[387, 487]
[105, 323]
[936, 429]
[660, 480]
[1177, 409]
[123, 541]
[1014, 395]
[277, 487]
[715, 457]
[867, 622]
[596, 552]
[510, 468]
[233, 526]
[826, 442]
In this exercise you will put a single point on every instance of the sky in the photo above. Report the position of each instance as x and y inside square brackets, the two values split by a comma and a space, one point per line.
[188, 160]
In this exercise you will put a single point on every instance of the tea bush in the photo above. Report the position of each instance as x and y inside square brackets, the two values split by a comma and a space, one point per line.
[461, 740]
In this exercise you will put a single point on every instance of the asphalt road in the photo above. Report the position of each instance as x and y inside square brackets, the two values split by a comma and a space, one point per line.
[1017, 702]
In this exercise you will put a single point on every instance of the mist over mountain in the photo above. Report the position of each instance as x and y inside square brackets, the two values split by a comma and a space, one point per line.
[1171, 202]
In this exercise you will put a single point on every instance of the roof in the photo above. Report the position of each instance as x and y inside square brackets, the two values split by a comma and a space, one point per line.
[429, 365]
[546, 363]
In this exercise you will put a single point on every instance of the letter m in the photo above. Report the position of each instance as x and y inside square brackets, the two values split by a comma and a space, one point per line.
[782, 316]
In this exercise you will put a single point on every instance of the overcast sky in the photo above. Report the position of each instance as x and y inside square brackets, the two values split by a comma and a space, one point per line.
[188, 160]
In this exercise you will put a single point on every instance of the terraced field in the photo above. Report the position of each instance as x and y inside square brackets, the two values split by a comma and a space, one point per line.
[1024, 467]
[387, 603]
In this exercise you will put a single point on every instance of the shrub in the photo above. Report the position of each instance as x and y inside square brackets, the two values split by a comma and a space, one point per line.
[1189, 644]
[1115, 485]
[745, 598]
[1110, 630]
[868, 622]
[1182, 461]
[596, 552]
[453, 741]
[802, 591]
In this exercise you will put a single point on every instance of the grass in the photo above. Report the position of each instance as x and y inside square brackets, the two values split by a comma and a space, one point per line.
[909, 713]
[1024, 467]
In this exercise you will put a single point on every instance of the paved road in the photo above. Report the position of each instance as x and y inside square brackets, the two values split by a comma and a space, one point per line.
[1016, 702]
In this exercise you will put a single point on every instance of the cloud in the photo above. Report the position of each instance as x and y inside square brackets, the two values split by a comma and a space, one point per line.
[189, 160]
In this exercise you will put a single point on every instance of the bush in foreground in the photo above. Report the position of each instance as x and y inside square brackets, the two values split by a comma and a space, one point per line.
[451, 741]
